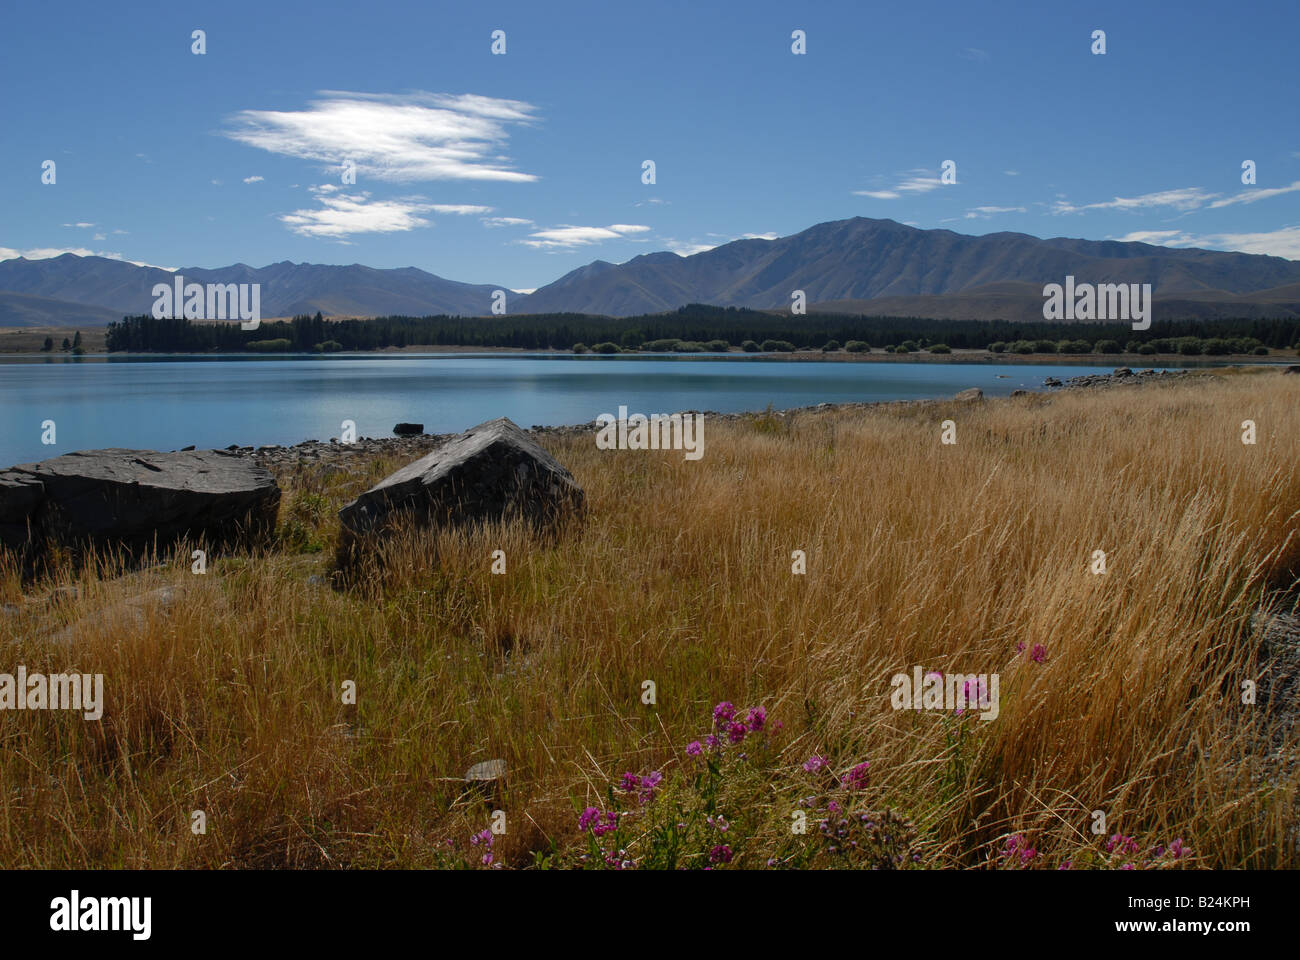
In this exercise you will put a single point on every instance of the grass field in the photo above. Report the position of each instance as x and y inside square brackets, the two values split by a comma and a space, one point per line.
[1120, 695]
[31, 339]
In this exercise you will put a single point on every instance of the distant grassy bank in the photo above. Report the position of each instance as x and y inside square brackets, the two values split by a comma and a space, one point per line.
[33, 340]
[1120, 692]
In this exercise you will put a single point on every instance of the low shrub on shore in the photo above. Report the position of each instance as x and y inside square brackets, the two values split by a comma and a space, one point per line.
[269, 346]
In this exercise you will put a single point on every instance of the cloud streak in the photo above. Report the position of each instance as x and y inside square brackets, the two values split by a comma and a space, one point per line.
[342, 215]
[569, 237]
[914, 182]
[49, 253]
[1182, 199]
[1284, 242]
[396, 138]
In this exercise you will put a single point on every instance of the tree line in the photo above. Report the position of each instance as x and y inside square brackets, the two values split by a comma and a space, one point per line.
[694, 323]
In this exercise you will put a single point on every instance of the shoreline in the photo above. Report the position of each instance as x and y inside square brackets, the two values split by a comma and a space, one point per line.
[971, 357]
[327, 454]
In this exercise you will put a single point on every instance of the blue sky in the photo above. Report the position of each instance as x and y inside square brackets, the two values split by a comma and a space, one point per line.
[513, 169]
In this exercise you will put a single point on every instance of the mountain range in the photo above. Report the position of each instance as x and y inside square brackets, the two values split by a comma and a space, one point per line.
[858, 265]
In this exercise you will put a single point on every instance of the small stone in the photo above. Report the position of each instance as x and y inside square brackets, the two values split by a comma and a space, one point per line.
[971, 395]
[122, 618]
[486, 772]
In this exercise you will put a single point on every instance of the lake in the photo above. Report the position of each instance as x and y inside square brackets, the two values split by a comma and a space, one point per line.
[168, 402]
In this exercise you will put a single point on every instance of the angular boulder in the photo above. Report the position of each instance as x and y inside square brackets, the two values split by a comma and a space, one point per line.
[971, 395]
[408, 429]
[132, 499]
[491, 472]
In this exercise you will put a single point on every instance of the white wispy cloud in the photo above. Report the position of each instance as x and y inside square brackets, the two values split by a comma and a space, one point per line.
[1254, 194]
[80, 225]
[507, 222]
[913, 182]
[459, 209]
[1159, 237]
[1184, 198]
[1284, 242]
[396, 138]
[568, 237]
[983, 213]
[49, 253]
[254, 179]
[687, 248]
[342, 215]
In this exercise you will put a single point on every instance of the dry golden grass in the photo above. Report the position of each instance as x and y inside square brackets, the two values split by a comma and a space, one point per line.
[917, 553]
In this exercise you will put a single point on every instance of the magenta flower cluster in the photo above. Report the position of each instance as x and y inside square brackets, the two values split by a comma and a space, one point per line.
[730, 725]
[598, 823]
[484, 839]
[856, 778]
[645, 787]
[1176, 850]
[1017, 850]
[1121, 844]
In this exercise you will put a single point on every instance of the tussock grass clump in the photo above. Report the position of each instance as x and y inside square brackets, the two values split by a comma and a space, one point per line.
[1120, 692]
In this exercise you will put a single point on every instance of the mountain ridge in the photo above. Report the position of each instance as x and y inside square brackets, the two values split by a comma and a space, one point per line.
[855, 263]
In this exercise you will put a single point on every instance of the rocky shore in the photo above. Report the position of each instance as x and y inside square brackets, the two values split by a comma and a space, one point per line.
[332, 457]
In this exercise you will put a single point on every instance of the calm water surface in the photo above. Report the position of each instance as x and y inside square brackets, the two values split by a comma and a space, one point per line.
[164, 403]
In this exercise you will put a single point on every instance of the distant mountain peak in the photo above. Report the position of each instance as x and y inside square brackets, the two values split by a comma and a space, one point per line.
[858, 263]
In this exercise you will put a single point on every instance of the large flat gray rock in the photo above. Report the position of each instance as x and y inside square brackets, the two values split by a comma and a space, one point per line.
[132, 499]
[20, 497]
[490, 472]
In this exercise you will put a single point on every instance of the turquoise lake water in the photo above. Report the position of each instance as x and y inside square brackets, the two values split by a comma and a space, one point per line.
[165, 403]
